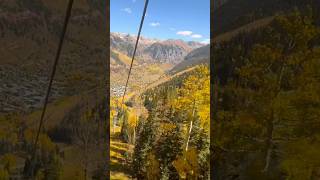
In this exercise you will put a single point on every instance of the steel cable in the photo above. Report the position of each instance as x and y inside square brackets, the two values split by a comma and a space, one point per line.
[46, 100]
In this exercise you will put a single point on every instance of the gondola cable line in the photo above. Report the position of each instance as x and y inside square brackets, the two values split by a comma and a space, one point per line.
[46, 100]
[133, 55]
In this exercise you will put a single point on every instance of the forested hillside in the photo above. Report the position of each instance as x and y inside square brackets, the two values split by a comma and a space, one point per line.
[75, 126]
[168, 127]
[30, 31]
[266, 123]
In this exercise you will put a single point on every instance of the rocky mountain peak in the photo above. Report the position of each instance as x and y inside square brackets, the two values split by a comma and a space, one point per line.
[164, 51]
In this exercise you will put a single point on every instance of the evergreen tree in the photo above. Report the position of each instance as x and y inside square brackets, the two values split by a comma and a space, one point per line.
[144, 145]
[125, 125]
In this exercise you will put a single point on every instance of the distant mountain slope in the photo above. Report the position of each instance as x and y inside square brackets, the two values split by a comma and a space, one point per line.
[195, 57]
[243, 29]
[170, 51]
[125, 43]
[153, 50]
[235, 13]
[153, 58]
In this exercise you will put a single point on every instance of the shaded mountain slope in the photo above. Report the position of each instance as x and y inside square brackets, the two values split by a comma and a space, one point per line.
[30, 31]
[195, 57]
[235, 13]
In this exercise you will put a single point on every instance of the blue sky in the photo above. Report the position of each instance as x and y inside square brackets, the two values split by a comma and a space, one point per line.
[166, 19]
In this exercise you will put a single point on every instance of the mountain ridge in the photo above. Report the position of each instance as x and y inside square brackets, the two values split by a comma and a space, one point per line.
[153, 50]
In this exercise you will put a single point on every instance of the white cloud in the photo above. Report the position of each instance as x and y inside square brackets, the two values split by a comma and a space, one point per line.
[184, 33]
[155, 24]
[206, 41]
[196, 36]
[128, 10]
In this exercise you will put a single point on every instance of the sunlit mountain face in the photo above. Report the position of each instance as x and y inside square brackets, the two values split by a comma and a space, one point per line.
[151, 50]
[154, 58]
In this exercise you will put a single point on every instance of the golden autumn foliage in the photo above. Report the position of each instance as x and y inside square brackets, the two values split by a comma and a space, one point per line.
[195, 93]
[187, 164]
[268, 99]
[44, 142]
[9, 161]
[153, 167]
[302, 159]
[167, 127]
[4, 175]
[162, 134]
[132, 120]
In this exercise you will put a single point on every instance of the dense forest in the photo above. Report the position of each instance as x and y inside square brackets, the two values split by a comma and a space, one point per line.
[80, 137]
[171, 140]
[266, 101]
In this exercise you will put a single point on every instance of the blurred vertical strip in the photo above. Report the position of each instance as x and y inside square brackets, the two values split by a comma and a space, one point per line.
[212, 3]
[212, 90]
[108, 86]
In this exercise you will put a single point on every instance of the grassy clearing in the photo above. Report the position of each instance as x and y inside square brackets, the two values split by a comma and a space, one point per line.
[119, 163]
[54, 113]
